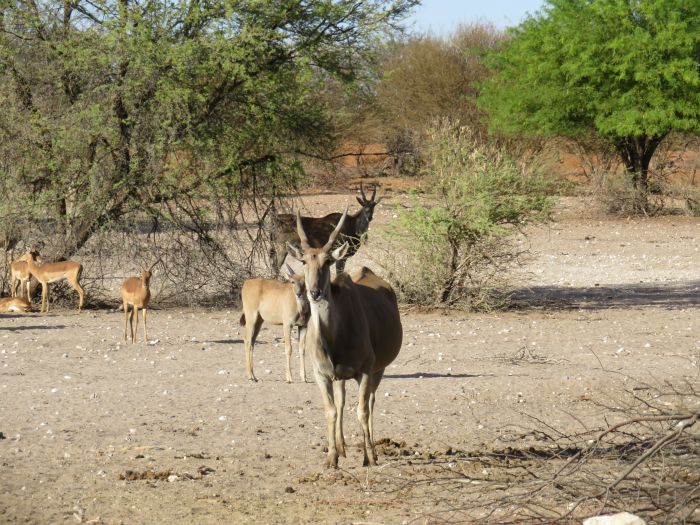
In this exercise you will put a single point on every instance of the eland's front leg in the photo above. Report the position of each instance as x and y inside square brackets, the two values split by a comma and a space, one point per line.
[326, 386]
[339, 398]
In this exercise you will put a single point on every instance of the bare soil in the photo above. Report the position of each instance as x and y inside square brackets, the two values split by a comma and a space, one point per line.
[98, 431]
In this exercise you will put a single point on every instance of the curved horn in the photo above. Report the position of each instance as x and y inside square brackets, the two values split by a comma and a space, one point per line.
[374, 192]
[302, 234]
[335, 232]
[362, 192]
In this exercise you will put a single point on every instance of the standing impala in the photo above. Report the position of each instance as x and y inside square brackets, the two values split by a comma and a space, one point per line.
[354, 332]
[317, 229]
[19, 272]
[56, 271]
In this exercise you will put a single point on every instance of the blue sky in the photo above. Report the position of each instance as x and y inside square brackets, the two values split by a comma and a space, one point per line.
[441, 17]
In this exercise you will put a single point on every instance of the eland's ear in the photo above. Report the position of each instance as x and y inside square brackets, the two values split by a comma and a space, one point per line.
[340, 251]
[360, 201]
[295, 252]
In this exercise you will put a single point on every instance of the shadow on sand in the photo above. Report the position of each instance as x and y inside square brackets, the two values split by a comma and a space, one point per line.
[672, 295]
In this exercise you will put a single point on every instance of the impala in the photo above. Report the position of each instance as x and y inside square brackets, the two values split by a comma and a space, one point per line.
[318, 229]
[277, 303]
[19, 275]
[56, 271]
[136, 291]
[354, 332]
[14, 304]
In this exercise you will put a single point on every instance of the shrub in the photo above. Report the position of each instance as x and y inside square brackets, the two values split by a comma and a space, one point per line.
[451, 249]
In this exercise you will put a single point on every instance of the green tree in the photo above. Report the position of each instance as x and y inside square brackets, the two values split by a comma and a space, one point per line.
[624, 70]
[118, 106]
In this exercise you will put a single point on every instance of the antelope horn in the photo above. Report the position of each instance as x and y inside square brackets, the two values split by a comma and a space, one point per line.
[364, 198]
[302, 234]
[374, 192]
[335, 232]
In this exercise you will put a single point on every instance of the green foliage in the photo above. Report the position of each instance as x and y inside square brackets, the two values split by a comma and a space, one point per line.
[624, 70]
[116, 106]
[478, 196]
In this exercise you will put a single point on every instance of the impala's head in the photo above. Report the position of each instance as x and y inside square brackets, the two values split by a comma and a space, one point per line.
[299, 286]
[367, 211]
[317, 261]
[146, 277]
[31, 256]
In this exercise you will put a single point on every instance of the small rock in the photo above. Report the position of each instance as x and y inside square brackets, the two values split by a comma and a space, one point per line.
[289, 490]
[172, 478]
[621, 518]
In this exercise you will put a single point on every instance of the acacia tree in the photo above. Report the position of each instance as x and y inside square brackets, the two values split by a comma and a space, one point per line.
[624, 70]
[114, 106]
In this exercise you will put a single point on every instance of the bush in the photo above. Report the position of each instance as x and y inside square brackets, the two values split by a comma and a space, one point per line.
[452, 250]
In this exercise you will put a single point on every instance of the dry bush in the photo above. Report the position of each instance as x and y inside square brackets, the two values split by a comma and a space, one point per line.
[451, 247]
[645, 460]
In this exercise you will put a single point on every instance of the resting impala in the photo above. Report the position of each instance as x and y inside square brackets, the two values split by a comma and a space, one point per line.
[14, 304]
[354, 332]
[19, 273]
[56, 271]
[277, 303]
[354, 230]
[137, 292]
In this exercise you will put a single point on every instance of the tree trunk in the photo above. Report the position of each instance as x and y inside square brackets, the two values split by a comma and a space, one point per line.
[636, 154]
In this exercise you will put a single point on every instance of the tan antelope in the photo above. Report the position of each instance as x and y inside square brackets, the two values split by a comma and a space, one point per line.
[354, 332]
[14, 304]
[55, 271]
[318, 230]
[276, 303]
[136, 291]
[19, 275]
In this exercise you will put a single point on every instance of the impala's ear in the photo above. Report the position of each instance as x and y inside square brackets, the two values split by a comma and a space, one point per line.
[295, 252]
[290, 272]
[340, 251]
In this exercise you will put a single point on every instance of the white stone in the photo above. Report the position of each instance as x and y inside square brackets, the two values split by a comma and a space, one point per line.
[622, 518]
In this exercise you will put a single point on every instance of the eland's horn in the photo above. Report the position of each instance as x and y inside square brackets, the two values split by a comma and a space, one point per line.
[302, 234]
[335, 232]
[362, 192]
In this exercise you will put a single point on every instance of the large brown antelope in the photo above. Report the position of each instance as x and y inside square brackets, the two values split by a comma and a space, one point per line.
[56, 271]
[19, 274]
[277, 303]
[354, 332]
[136, 291]
[318, 229]
[14, 304]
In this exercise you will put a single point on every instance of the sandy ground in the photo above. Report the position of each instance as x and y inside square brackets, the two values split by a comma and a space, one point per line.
[97, 431]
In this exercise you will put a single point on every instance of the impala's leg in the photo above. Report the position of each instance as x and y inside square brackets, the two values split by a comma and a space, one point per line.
[363, 416]
[13, 287]
[376, 379]
[126, 317]
[325, 385]
[302, 351]
[44, 296]
[136, 322]
[75, 283]
[252, 327]
[145, 330]
[339, 399]
[287, 328]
